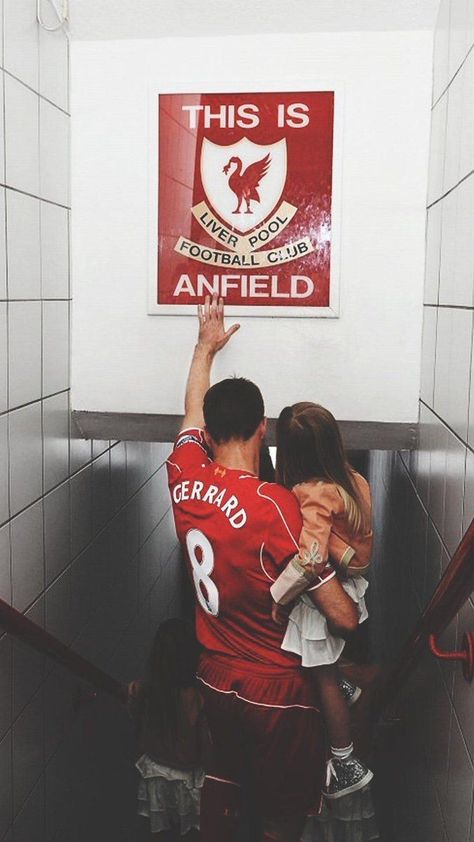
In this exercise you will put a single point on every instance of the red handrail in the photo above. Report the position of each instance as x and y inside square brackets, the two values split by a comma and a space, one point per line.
[453, 590]
[15, 623]
[464, 654]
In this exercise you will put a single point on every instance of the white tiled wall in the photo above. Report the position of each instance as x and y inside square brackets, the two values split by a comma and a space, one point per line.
[438, 482]
[87, 546]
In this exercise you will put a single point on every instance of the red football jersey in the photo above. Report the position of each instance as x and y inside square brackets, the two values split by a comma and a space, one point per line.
[238, 534]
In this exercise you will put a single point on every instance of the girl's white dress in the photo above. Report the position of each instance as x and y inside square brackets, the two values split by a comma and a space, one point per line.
[171, 765]
[307, 633]
[169, 798]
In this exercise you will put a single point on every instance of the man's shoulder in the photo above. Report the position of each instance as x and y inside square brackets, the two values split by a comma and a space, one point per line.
[282, 517]
[278, 498]
[189, 452]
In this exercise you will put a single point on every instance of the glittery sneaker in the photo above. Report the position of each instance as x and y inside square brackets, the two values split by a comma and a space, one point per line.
[345, 776]
[350, 691]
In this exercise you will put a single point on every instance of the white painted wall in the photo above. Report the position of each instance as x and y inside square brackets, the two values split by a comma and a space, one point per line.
[364, 365]
[110, 19]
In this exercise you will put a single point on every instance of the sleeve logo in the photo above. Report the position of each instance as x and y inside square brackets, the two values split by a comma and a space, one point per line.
[187, 440]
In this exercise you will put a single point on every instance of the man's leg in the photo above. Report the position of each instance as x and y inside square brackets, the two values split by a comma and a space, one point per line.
[277, 749]
[289, 763]
[220, 810]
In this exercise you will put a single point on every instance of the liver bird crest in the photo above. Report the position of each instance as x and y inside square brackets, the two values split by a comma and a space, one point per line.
[244, 184]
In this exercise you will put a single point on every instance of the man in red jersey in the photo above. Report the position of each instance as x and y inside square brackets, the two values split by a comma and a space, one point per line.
[238, 533]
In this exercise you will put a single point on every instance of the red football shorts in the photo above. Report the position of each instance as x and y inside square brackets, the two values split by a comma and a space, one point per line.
[267, 731]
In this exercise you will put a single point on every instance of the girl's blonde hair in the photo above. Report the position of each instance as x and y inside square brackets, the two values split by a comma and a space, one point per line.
[309, 446]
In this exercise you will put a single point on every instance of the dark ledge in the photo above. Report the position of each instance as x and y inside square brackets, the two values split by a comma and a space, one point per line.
[136, 426]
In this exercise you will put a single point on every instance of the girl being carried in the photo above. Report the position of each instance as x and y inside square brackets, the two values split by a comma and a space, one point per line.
[336, 539]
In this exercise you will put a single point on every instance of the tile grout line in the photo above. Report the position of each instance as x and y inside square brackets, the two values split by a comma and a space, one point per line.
[8, 344]
[34, 91]
[465, 444]
[450, 306]
[424, 507]
[35, 196]
[36, 400]
[453, 77]
[32, 300]
[451, 190]
[469, 388]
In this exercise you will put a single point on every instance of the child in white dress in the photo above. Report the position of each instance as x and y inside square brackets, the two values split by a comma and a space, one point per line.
[336, 539]
[173, 735]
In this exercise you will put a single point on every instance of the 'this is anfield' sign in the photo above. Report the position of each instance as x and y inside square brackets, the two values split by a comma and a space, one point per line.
[244, 201]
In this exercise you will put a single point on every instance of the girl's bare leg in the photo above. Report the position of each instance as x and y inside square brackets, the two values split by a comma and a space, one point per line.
[334, 706]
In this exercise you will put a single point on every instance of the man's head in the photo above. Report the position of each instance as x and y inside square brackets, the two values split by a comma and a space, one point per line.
[234, 410]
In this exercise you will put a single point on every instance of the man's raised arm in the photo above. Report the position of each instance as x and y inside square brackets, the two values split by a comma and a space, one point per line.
[212, 337]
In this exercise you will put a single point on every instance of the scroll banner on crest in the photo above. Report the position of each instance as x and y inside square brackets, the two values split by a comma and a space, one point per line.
[262, 234]
[244, 186]
[246, 260]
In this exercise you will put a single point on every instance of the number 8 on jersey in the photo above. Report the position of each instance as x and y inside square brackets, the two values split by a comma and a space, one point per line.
[202, 565]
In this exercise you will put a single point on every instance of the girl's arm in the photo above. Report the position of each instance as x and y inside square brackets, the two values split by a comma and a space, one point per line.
[350, 561]
[340, 552]
[319, 503]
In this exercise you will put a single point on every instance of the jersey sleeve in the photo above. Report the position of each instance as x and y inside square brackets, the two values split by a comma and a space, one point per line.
[284, 524]
[189, 452]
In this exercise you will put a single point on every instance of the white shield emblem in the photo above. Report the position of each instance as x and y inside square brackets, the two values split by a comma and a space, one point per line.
[243, 182]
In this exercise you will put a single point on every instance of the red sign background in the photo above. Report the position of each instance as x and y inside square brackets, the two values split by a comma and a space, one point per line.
[308, 187]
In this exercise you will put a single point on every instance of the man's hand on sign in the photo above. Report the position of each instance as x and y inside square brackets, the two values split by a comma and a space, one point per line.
[212, 333]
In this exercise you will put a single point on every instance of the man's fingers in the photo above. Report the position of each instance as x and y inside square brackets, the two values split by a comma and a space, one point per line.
[280, 613]
[231, 331]
[212, 311]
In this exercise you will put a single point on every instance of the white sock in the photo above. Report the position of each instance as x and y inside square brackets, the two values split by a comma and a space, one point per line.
[342, 753]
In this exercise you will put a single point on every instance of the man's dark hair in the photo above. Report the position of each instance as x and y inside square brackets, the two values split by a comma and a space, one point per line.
[233, 409]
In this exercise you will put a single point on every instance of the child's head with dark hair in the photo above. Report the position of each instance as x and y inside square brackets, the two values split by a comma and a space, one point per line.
[171, 667]
[233, 409]
[309, 447]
